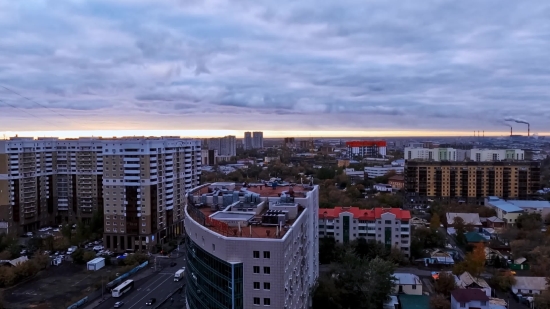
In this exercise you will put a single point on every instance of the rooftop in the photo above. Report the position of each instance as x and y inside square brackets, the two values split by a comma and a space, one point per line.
[414, 301]
[469, 218]
[530, 204]
[530, 283]
[468, 295]
[502, 204]
[474, 237]
[406, 278]
[364, 214]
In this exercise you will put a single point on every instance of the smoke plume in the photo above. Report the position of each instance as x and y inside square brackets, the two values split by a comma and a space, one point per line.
[515, 120]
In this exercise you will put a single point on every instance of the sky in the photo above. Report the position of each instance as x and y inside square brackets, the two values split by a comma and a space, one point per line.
[288, 68]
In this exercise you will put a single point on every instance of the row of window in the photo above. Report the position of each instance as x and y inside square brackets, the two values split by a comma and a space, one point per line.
[267, 270]
[267, 286]
[256, 254]
[267, 301]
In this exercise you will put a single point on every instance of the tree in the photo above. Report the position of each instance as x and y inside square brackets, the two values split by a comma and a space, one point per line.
[78, 256]
[439, 302]
[67, 232]
[88, 256]
[503, 280]
[41, 260]
[445, 284]
[460, 228]
[529, 221]
[424, 238]
[435, 223]
[7, 276]
[135, 259]
[369, 249]
[542, 300]
[474, 263]
[326, 294]
[327, 250]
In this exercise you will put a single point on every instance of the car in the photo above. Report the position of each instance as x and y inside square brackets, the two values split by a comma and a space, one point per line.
[151, 301]
[29, 234]
[56, 230]
[119, 304]
[173, 264]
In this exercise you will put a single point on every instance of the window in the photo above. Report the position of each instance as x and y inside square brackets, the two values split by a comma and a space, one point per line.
[267, 286]
[484, 303]
[256, 269]
[256, 301]
[267, 302]
[267, 255]
[387, 222]
[256, 254]
[462, 305]
[256, 285]
[414, 286]
[267, 270]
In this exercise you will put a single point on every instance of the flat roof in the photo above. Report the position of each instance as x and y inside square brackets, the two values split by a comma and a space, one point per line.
[233, 215]
[530, 204]
[501, 204]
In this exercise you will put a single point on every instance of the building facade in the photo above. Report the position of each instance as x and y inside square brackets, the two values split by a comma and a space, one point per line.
[470, 181]
[251, 246]
[257, 140]
[389, 226]
[226, 146]
[451, 154]
[371, 149]
[247, 141]
[379, 171]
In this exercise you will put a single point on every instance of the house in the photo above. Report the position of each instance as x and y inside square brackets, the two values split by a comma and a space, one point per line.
[467, 281]
[15, 262]
[507, 212]
[474, 238]
[469, 298]
[519, 264]
[414, 301]
[439, 257]
[529, 285]
[497, 303]
[405, 283]
[397, 182]
[469, 218]
[381, 187]
[495, 222]
[415, 221]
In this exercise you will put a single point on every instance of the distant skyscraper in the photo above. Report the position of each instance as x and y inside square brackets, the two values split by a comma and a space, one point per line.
[226, 146]
[247, 142]
[257, 140]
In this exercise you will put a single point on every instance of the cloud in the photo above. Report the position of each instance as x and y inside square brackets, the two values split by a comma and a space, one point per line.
[308, 65]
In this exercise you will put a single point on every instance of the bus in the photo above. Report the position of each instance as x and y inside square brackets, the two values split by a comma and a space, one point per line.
[123, 288]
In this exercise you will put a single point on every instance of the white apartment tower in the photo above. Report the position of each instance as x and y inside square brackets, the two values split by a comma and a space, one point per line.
[251, 246]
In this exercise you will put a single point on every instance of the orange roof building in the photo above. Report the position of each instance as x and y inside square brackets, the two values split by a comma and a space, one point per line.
[366, 148]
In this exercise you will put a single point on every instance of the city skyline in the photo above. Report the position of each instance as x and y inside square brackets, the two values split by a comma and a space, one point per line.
[419, 68]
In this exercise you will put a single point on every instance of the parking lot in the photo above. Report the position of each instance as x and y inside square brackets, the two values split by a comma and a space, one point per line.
[56, 287]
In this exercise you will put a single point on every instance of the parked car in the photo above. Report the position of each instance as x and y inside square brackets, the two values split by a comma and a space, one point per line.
[151, 301]
[29, 234]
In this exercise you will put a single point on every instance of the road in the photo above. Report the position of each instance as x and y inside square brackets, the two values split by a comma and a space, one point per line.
[158, 286]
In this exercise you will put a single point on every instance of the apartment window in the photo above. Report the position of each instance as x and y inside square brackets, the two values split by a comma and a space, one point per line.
[388, 222]
[267, 301]
[256, 269]
[267, 255]
[267, 286]
[267, 270]
[256, 301]
[256, 285]
[213, 247]
[256, 254]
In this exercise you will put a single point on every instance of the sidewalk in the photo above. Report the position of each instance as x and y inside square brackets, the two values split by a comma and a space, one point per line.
[140, 275]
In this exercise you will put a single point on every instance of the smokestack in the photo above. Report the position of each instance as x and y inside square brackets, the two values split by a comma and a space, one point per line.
[528, 129]
[511, 131]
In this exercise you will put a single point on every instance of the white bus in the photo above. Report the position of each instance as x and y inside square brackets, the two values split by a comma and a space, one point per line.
[123, 288]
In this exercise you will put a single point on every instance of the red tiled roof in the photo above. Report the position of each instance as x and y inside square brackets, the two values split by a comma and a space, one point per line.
[366, 143]
[467, 295]
[364, 214]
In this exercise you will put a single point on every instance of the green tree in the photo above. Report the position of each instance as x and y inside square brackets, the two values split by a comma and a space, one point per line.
[67, 232]
[78, 256]
[135, 259]
[369, 249]
[327, 250]
[529, 221]
[326, 295]
[445, 284]
[88, 256]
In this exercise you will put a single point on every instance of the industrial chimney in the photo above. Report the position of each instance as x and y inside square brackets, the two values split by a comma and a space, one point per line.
[528, 129]
[511, 131]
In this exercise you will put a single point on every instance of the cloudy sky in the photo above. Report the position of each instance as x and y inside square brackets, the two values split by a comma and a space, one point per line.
[358, 67]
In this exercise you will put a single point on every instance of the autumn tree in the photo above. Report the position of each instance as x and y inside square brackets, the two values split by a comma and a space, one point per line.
[445, 284]
[439, 301]
[435, 222]
[474, 263]
[503, 280]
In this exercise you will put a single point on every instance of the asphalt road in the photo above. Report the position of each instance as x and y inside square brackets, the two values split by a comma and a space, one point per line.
[158, 286]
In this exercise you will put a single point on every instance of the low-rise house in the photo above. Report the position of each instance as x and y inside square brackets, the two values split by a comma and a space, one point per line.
[497, 303]
[467, 281]
[469, 218]
[508, 212]
[520, 264]
[15, 262]
[439, 257]
[406, 283]
[397, 182]
[381, 187]
[529, 285]
[415, 221]
[495, 222]
[469, 299]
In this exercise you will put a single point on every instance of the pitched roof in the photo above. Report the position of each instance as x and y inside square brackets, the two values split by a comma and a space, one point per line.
[468, 295]
[467, 279]
[495, 219]
[474, 237]
[364, 214]
[469, 218]
[414, 301]
[530, 283]
[406, 278]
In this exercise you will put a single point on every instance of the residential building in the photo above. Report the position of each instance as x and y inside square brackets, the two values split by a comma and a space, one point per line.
[354, 175]
[382, 187]
[430, 154]
[529, 285]
[379, 171]
[247, 141]
[413, 302]
[506, 211]
[258, 140]
[469, 299]
[251, 246]
[452, 154]
[495, 222]
[144, 186]
[397, 182]
[481, 155]
[406, 283]
[226, 146]
[467, 281]
[289, 142]
[389, 226]
[468, 218]
[366, 149]
[470, 182]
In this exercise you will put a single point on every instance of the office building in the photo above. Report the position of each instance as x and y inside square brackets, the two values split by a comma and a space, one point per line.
[257, 140]
[251, 246]
[389, 226]
[382, 170]
[247, 141]
[470, 182]
[226, 146]
[363, 149]
[145, 181]
[451, 154]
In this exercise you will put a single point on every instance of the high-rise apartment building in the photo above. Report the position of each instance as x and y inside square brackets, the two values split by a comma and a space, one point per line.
[470, 181]
[226, 146]
[452, 154]
[366, 149]
[389, 226]
[257, 140]
[247, 141]
[50, 181]
[251, 246]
